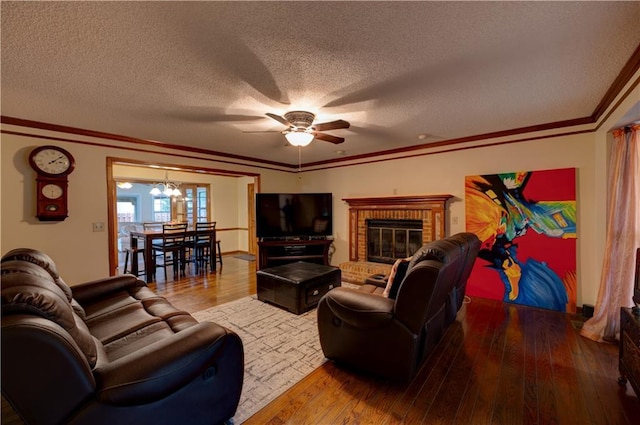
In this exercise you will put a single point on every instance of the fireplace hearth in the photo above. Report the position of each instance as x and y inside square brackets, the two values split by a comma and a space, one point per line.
[389, 240]
[428, 210]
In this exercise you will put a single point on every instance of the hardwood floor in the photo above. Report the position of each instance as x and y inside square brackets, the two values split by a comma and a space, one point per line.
[233, 280]
[498, 363]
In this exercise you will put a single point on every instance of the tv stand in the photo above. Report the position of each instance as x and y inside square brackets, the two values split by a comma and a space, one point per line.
[273, 253]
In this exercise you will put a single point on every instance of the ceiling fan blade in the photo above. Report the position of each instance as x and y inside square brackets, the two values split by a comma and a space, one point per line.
[332, 125]
[328, 138]
[278, 118]
[208, 114]
[262, 131]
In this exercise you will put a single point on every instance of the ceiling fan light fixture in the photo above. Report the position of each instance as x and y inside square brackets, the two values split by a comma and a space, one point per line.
[299, 137]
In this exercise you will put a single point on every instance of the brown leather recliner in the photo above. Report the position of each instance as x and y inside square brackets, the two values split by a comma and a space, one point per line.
[109, 352]
[389, 337]
[468, 245]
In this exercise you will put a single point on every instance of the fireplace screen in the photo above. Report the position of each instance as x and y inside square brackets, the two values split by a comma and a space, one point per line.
[388, 240]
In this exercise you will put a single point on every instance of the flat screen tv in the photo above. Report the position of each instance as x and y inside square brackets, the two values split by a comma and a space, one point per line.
[294, 215]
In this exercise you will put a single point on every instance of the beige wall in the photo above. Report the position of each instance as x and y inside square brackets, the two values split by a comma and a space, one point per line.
[82, 254]
[444, 173]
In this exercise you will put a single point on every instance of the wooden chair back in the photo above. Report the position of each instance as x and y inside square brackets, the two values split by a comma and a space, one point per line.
[174, 233]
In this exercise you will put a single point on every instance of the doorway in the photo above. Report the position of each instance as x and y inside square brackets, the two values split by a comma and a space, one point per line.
[203, 198]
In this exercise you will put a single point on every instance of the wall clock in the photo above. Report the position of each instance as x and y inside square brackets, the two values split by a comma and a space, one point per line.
[53, 166]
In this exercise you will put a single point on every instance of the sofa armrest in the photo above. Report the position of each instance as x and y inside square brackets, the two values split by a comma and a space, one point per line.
[94, 289]
[39, 357]
[359, 309]
[164, 367]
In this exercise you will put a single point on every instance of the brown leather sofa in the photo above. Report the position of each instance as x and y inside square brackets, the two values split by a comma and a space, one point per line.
[109, 352]
[392, 337]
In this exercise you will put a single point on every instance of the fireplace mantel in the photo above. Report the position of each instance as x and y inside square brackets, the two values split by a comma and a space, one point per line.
[431, 209]
[399, 202]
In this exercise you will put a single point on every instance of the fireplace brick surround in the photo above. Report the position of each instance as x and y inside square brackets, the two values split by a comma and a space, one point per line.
[430, 209]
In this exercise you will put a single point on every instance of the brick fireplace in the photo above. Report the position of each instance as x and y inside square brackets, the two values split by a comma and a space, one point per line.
[429, 209]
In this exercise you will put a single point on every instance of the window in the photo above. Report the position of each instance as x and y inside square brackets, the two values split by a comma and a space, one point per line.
[161, 209]
[201, 204]
[127, 209]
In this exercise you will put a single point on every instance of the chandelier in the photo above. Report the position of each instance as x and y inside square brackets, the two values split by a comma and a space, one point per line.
[166, 188]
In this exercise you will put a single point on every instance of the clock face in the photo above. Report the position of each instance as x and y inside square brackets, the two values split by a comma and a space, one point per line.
[52, 160]
[52, 191]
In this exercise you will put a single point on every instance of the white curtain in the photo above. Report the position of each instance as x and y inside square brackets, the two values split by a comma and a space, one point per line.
[623, 237]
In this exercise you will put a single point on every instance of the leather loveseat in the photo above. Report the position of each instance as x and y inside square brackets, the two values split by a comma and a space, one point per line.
[392, 337]
[109, 352]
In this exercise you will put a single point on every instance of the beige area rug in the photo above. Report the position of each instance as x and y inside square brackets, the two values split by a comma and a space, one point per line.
[280, 348]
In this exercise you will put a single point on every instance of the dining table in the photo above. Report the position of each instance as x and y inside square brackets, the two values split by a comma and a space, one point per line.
[148, 236]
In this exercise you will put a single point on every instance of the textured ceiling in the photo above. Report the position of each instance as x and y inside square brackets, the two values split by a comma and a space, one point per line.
[200, 74]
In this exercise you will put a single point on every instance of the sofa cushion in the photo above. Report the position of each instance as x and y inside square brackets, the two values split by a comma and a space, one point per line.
[398, 272]
[131, 318]
[371, 289]
[25, 266]
[135, 341]
[41, 259]
[121, 322]
[26, 293]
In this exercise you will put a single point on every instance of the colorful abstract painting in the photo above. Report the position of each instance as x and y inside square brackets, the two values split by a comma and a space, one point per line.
[526, 222]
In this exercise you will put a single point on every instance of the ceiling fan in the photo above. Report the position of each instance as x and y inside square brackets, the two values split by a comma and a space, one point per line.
[301, 130]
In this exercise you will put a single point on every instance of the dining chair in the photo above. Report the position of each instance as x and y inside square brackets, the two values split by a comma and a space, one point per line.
[132, 253]
[219, 252]
[152, 225]
[170, 248]
[203, 245]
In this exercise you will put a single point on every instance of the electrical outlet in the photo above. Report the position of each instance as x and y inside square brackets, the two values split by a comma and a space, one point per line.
[454, 219]
[98, 226]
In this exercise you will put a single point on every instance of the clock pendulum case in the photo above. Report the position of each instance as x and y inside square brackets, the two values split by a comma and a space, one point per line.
[53, 166]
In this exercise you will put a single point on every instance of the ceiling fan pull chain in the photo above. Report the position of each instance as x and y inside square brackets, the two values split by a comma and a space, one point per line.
[299, 158]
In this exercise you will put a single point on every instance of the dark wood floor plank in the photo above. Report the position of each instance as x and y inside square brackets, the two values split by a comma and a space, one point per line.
[295, 398]
[547, 403]
[406, 401]
[437, 365]
[507, 406]
[480, 336]
[530, 414]
[329, 403]
[585, 367]
[603, 364]
[488, 368]
[357, 398]
[468, 337]
[374, 407]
